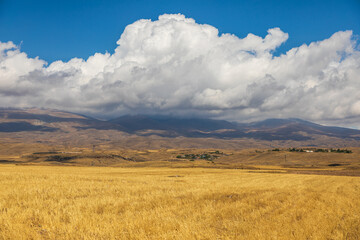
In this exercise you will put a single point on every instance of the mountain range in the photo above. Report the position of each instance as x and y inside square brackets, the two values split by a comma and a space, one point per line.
[70, 125]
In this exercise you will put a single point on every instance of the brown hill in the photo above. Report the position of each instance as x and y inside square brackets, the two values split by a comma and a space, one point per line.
[53, 127]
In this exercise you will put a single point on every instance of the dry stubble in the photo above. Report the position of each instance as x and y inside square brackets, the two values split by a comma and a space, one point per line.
[40, 202]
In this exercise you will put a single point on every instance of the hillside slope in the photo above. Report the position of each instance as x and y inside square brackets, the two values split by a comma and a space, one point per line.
[54, 127]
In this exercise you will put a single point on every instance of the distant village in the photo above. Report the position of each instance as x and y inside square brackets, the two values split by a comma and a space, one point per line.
[310, 150]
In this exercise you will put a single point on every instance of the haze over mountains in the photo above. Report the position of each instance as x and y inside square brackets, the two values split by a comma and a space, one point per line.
[41, 125]
[270, 129]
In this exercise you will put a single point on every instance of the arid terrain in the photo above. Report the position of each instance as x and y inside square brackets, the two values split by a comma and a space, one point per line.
[78, 183]
[340, 161]
[53, 127]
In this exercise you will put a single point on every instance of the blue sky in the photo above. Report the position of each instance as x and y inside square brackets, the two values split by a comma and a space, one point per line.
[61, 30]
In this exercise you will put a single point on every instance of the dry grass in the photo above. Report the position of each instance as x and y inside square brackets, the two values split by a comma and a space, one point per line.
[344, 164]
[50, 202]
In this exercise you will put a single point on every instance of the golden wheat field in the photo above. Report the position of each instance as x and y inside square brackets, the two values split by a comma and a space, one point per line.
[50, 202]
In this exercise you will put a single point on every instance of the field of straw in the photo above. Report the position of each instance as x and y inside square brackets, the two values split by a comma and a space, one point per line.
[50, 202]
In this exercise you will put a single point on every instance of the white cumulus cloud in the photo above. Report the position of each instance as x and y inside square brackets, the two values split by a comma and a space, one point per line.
[176, 66]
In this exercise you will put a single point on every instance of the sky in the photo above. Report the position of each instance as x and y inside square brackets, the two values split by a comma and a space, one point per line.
[233, 60]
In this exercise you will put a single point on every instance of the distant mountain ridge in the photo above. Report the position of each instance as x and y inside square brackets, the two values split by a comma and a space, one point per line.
[292, 129]
[269, 129]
